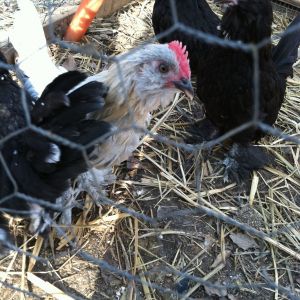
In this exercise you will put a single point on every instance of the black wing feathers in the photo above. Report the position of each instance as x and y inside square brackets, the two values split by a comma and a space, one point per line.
[41, 167]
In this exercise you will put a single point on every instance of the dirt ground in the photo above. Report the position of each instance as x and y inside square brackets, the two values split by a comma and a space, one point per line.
[120, 256]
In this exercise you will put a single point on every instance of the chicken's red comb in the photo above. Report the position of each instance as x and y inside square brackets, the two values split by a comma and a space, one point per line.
[182, 57]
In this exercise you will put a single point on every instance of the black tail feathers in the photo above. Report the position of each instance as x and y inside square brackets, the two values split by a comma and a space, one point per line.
[241, 160]
[64, 82]
[286, 52]
[57, 107]
[66, 114]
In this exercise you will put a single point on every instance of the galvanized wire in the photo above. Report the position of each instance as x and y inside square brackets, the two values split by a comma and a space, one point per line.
[154, 221]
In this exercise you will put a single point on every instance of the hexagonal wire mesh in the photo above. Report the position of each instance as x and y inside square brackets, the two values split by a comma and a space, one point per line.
[149, 273]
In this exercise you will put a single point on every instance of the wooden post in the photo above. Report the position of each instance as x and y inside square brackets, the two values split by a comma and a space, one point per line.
[295, 3]
[110, 6]
[60, 21]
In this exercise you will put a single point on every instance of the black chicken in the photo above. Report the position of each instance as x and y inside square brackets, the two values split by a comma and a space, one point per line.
[32, 165]
[226, 81]
[225, 76]
[195, 14]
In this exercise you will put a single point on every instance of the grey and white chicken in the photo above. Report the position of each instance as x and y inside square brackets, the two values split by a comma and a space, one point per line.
[36, 169]
[139, 82]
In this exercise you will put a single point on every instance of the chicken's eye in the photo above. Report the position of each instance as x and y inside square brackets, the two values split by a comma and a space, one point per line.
[163, 68]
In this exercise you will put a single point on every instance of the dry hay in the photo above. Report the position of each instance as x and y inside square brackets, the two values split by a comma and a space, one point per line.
[160, 181]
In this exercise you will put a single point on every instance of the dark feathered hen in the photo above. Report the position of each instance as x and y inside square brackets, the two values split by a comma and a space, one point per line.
[225, 82]
[225, 75]
[195, 14]
[37, 166]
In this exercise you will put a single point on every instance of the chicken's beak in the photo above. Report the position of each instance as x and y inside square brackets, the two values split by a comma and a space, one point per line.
[185, 86]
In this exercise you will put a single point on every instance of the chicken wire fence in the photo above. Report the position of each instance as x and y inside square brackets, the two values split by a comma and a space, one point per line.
[184, 277]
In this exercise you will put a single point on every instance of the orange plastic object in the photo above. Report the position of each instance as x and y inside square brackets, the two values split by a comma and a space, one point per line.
[82, 19]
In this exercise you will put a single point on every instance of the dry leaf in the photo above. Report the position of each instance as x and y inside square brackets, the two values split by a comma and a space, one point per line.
[243, 241]
[70, 63]
[219, 259]
[208, 242]
[164, 212]
[210, 291]
[133, 163]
